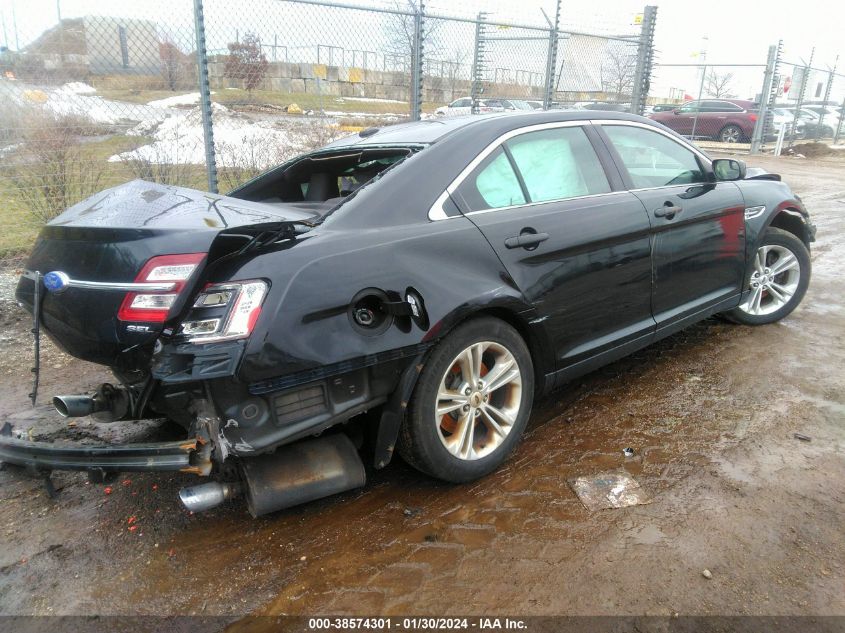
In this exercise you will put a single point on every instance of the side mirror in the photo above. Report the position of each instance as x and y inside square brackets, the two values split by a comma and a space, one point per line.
[676, 111]
[729, 169]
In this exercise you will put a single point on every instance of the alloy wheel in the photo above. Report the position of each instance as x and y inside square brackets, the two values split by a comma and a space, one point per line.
[730, 135]
[777, 273]
[478, 400]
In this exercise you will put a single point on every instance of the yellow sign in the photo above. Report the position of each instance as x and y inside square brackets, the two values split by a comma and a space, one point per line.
[638, 19]
[320, 71]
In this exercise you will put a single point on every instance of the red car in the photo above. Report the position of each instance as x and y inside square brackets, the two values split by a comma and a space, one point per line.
[726, 120]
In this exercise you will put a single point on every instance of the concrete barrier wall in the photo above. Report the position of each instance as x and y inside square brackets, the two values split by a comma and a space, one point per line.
[340, 81]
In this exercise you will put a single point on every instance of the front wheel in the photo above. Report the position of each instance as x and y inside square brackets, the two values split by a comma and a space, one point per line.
[780, 275]
[471, 403]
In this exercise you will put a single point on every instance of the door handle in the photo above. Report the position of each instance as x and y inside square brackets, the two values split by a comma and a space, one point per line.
[526, 240]
[668, 211]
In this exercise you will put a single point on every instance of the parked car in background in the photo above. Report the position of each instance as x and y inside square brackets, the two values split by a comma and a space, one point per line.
[464, 106]
[829, 117]
[603, 105]
[537, 105]
[725, 120]
[662, 107]
[784, 117]
[439, 276]
[509, 104]
[811, 125]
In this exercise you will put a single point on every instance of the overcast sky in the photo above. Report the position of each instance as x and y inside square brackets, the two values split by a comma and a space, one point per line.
[728, 30]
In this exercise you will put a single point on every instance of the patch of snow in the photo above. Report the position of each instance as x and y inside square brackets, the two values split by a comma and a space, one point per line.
[178, 140]
[364, 115]
[192, 98]
[77, 88]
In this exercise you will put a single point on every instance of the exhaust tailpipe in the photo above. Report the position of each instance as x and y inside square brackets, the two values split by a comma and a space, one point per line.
[108, 404]
[75, 406]
[207, 496]
[301, 472]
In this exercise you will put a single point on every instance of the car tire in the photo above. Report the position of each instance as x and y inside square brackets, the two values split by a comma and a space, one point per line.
[731, 134]
[778, 280]
[471, 431]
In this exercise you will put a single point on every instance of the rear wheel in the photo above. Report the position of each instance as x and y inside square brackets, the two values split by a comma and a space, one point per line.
[780, 274]
[471, 403]
[730, 134]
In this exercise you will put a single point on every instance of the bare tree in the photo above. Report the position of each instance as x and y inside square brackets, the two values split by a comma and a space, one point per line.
[718, 85]
[399, 32]
[617, 73]
[175, 64]
[453, 65]
[246, 61]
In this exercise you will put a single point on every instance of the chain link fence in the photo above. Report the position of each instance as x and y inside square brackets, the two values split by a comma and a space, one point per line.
[777, 106]
[204, 94]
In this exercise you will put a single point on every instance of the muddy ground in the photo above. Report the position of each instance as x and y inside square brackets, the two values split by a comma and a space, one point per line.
[710, 413]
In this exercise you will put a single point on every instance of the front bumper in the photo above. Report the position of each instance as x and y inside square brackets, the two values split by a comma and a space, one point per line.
[45, 456]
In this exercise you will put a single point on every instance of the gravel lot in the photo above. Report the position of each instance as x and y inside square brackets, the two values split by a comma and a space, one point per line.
[710, 413]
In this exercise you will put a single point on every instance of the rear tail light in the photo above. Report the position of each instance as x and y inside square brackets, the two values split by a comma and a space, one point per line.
[154, 307]
[753, 117]
[224, 312]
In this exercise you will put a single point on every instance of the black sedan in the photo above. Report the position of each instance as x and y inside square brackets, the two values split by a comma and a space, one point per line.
[438, 275]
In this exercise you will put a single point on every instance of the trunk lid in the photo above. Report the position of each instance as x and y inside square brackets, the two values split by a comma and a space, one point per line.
[108, 238]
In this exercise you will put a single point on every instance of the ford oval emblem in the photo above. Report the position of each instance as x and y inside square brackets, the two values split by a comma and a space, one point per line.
[56, 281]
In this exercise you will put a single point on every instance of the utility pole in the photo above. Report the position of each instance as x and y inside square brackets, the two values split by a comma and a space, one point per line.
[703, 55]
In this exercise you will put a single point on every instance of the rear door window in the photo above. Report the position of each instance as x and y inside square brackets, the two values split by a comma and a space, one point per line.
[541, 166]
[652, 159]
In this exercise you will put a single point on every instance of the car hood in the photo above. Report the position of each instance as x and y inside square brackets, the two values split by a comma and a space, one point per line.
[140, 204]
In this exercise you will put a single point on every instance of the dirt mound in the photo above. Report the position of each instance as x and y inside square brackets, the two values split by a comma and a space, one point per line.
[812, 150]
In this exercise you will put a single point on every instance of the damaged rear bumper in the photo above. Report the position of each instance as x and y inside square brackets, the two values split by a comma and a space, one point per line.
[153, 456]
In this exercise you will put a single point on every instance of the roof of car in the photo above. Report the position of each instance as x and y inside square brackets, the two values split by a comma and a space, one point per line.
[433, 129]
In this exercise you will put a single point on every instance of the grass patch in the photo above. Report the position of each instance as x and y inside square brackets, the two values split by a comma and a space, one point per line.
[20, 224]
[135, 95]
[235, 97]
[18, 227]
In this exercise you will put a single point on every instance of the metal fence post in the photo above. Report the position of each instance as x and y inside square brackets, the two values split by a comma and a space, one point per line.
[645, 61]
[551, 61]
[830, 76]
[801, 91]
[840, 126]
[698, 100]
[205, 97]
[478, 63]
[417, 61]
[767, 97]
